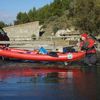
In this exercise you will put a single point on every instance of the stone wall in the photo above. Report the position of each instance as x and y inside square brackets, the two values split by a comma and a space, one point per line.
[23, 31]
[67, 32]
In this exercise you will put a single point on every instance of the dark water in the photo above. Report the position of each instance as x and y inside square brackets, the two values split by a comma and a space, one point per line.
[49, 84]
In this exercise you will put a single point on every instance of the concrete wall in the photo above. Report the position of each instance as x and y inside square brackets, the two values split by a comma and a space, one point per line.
[23, 31]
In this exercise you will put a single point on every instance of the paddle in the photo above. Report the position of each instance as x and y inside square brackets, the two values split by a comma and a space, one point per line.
[98, 40]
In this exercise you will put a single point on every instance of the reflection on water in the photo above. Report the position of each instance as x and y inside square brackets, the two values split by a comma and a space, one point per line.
[51, 84]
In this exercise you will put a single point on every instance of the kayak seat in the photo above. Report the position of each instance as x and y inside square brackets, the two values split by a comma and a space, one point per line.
[68, 49]
[53, 54]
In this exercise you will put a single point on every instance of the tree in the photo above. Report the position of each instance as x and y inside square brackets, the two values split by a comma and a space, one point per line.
[42, 14]
[22, 18]
[32, 15]
[2, 24]
[86, 15]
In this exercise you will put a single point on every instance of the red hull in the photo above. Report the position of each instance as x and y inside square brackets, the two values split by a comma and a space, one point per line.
[24, 55]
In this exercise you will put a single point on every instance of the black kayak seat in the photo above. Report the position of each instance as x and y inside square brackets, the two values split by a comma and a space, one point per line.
[53, 54]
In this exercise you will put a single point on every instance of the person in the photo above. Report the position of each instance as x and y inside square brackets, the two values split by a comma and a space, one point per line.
[88, 44]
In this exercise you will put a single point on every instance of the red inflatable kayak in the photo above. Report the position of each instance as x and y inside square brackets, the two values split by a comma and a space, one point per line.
[32, 55]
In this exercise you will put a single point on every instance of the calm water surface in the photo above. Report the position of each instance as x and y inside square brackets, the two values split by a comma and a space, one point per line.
[49, 84]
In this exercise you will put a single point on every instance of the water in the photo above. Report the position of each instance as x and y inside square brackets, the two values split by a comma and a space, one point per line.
[27, 83]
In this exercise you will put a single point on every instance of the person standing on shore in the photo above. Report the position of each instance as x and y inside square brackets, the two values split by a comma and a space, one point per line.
[87, 44]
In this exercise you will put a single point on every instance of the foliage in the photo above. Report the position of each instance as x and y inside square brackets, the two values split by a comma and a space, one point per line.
[55, 29]
[32, 14]
[2, 24]
[54, 9]
[22, 18]
[86, 15]
[83, 14]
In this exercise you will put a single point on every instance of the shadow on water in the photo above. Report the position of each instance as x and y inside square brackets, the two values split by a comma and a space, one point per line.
[41, 83]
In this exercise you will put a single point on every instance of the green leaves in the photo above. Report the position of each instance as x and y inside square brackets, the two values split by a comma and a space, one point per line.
[86, 14]
[22, 18]
[2, 24]
[56, 8]
[83, 14]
